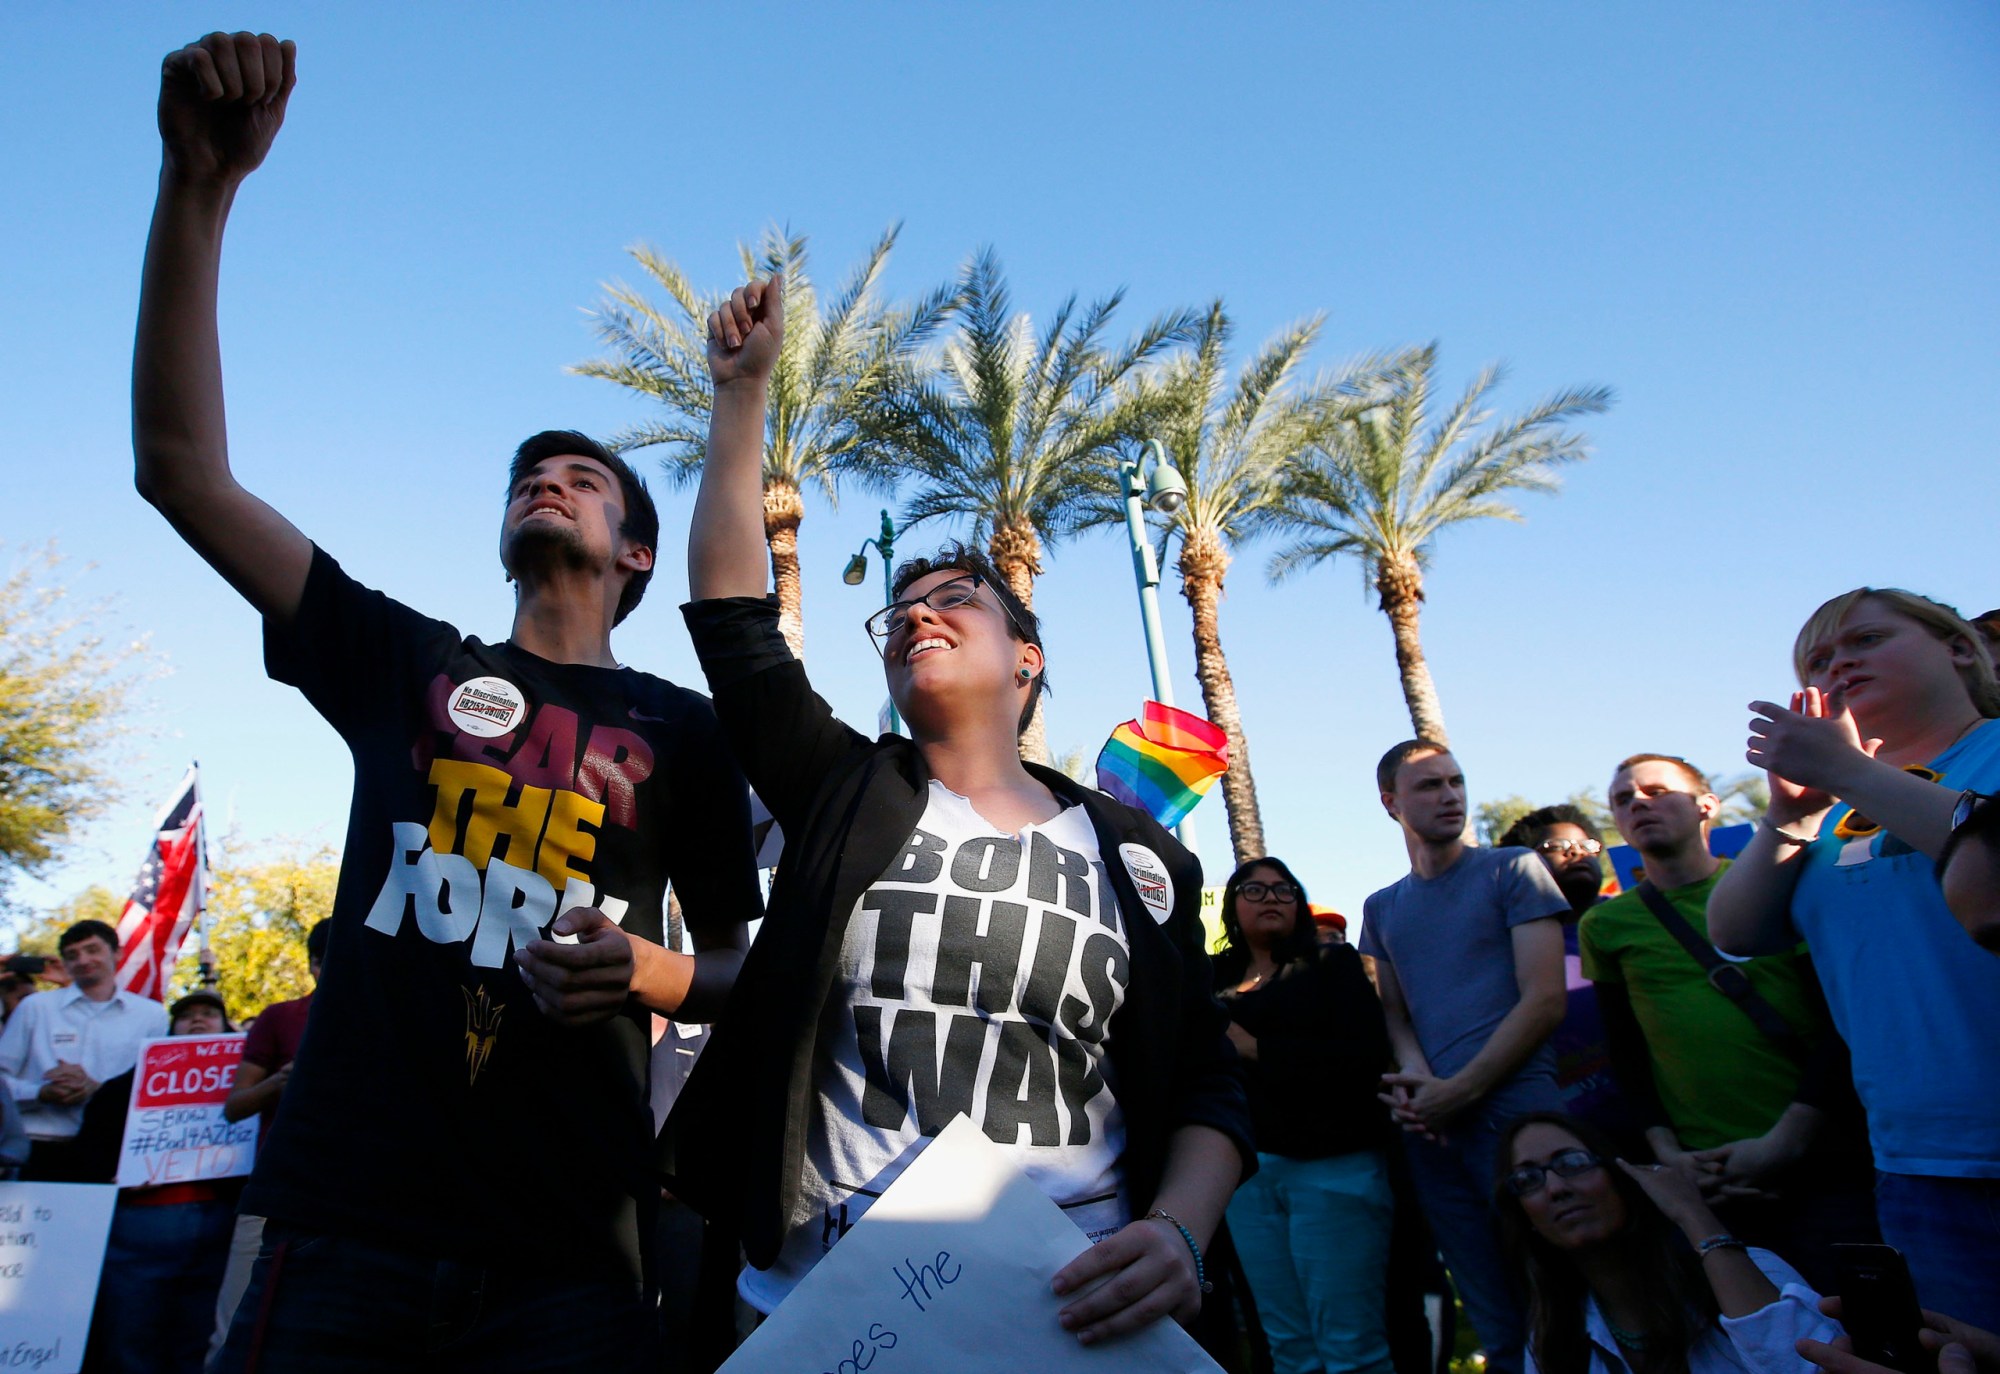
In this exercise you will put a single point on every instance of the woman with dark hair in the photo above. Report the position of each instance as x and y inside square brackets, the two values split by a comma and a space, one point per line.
[951, 930]
[1628, 1269]
[1312, 1226]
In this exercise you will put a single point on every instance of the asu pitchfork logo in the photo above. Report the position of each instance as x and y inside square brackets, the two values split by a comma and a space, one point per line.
[482, 1029]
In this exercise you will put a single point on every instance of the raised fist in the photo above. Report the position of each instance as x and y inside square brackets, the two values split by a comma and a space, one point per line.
[221, 102]
[745, 333]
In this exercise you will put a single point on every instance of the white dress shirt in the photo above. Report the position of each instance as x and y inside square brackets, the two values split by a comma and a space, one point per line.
[1757, 1343]
[63, 1024]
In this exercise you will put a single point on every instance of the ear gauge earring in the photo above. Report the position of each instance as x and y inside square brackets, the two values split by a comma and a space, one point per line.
[1027, 674]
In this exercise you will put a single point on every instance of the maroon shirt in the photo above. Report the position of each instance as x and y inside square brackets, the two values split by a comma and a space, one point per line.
[272, 1043]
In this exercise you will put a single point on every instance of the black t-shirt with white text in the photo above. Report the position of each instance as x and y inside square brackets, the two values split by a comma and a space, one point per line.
[432, 1105]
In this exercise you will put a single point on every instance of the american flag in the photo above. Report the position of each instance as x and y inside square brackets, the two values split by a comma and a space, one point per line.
[168, 896]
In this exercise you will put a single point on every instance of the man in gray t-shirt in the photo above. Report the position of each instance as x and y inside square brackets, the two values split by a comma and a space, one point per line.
[1468, 954]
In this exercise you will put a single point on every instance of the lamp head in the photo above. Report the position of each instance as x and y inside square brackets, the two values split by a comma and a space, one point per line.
[857, 570]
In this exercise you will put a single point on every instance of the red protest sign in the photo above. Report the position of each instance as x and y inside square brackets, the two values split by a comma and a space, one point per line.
[191, 1071]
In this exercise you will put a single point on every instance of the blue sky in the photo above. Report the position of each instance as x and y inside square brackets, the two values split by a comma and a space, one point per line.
[1771, 228]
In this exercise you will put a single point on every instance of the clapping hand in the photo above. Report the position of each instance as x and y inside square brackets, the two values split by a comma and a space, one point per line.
[222, 100]
[1807, 751]
[746, 331]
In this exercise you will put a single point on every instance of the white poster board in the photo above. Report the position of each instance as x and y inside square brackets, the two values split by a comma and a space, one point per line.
[51, 1247]
[175, 1131]
[950, 1270]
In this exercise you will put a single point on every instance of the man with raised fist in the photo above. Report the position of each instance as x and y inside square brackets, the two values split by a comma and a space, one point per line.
[477, 1049]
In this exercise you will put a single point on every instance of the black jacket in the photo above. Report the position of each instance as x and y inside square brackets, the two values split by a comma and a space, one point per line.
[1322, 1048]
[735, 1144]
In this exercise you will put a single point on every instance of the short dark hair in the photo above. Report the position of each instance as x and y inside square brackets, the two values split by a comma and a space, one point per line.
[86, 930]
[1533, 828]
[1393, 761]
[642, 517]
[1688, 770]
[1022, 623]
[316, 939]
[1302, 943]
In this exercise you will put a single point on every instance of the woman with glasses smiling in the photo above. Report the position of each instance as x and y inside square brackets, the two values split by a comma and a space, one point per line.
[1628, 1270]
[1312, 1227]
[950, 931]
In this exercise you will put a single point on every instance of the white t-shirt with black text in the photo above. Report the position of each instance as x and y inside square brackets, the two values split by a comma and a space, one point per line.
[977, 975]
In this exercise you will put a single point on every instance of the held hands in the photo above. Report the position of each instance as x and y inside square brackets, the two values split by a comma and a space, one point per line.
[588, 981]
[1807, 751]
[745, 332]
[66, 1085]
[1743, 1168]
[1705, 1177]
[221, 102]
[1422, 1102]
[1151, 1276]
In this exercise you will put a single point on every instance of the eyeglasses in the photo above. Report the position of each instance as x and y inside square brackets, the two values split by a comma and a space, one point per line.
[1570, 1163]
[1564, 848]
[1855, 826]
[945, 596]
[1277, 892]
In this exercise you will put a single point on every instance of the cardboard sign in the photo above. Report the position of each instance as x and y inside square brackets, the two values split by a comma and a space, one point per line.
[51, 1247]
[950, 1269]
[175, 1131]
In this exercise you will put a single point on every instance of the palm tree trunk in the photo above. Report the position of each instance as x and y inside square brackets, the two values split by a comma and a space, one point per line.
[1016, 550]
[784, 508]
[1401, 585]
[1204, 562]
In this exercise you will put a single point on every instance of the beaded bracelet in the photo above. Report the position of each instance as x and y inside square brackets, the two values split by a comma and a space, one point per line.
[1724, 1241]
[1200, 1270]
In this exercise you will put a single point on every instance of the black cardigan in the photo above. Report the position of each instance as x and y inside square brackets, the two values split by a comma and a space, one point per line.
[735, 1144]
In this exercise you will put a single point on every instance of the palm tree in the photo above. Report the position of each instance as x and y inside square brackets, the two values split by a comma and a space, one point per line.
[836, 359]
[1009, 428]
[1233, 443]
[1383, 486]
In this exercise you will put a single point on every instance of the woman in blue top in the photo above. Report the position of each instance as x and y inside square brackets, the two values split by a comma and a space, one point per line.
[1887, 745]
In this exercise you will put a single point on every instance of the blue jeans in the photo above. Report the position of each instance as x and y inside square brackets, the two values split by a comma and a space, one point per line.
[321, 1303]
[1313, 1237]
[156, 1297]
[1454, 1182]
[1949, 1231]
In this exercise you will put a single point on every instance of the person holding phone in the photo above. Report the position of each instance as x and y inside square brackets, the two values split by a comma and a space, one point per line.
[1628, 1270]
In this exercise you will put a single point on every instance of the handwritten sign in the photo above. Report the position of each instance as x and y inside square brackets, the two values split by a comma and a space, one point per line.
[950, 1269]
[175, 1132]
[51, 1246]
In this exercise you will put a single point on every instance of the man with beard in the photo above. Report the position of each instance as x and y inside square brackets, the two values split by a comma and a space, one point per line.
[1740, 1090]
[1468, 959]
[459, 1172]
[1567, 842]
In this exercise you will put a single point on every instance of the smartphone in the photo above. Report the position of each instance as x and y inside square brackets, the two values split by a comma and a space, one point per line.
[1878, 1306]
[26, 965]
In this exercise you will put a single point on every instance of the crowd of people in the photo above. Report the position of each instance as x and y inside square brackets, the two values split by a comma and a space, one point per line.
[1633, 1128]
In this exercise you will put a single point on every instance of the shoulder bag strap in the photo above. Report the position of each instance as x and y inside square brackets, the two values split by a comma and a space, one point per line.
[1727, 978]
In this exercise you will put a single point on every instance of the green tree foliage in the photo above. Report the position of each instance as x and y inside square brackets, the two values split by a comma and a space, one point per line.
[258, 915]
[63, 698]
[1390, 480]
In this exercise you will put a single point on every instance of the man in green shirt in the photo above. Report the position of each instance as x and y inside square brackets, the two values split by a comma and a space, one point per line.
[1747, 1115]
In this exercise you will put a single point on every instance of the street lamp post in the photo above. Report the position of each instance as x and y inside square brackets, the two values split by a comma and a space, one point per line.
[1150, 481]
[884, 543]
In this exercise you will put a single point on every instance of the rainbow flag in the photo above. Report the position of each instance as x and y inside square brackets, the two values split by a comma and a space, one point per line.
[1163, 762]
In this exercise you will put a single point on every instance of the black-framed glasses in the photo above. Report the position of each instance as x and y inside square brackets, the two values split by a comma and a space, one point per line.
[1562, 849]
[1277, 892]
[948, 595]
[1570, 1163]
